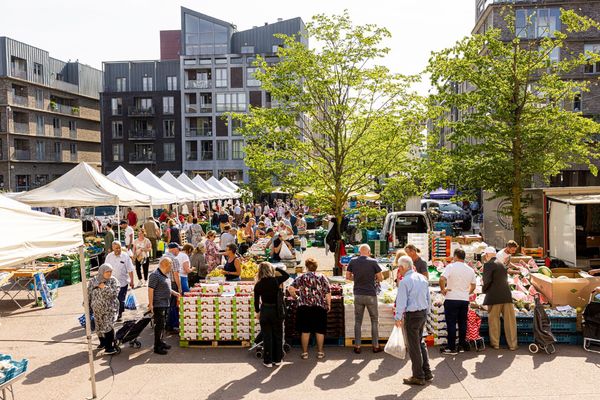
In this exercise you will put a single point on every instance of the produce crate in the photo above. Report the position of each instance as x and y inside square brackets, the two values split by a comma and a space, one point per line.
[526, 338]
[17, 368]
[525, 324]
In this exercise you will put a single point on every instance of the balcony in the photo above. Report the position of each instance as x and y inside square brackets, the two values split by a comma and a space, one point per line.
[141, 111]
[191, 84]
[141, 134]
[19, 100]
[206, 107]
[191, 108]
[18, 73]
[73, 157]
[198, 132]
[73, 133]
[22, 155]
[63, 108]
[141, 158]
[21, 127]
[57, 132]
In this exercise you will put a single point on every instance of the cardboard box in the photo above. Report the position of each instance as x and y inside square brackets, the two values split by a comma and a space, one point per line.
[517, 259]
[574, 291]
[472, 239]
[592, 241]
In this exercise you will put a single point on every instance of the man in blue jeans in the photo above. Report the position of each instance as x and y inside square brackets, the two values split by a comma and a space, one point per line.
[175, 279]
[456, 284]
[159, 295]
[123, 271]
[365, 271]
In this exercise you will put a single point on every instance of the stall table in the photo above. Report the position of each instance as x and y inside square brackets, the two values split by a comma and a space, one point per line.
[20, 279]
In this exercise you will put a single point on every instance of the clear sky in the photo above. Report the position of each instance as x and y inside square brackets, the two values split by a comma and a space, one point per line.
[109, 30]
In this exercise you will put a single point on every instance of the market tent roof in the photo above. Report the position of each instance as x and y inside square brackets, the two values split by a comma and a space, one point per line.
[154, 181]
[125, 178]
[577, 199]
[226, 182]
[82, 186]
[215, 182]
[210, 194]
[35, 235]
[171, 180]
[7, 202]
[203, 184]
[370, 196]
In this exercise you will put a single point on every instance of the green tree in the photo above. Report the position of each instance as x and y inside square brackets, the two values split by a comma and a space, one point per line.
[507, 112]
[339, 120]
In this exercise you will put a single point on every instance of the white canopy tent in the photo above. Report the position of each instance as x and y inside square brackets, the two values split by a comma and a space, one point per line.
[154, 181]
[215, 182]
[157, 196]
[37, 235]
[83, 186]
[207, 186]
[210, 194]
[227, 183]
[171, 180]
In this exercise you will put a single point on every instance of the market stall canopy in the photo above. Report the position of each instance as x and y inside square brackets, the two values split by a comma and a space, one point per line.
[226, 182]
[210, 194]
[171, 180]
[577, 199]
[157, 196]
[203, 184]
[369, 196]
[35, 235]
[7, 202]
[442, 194]
[154, 181]
[82, 186]
[215, 182]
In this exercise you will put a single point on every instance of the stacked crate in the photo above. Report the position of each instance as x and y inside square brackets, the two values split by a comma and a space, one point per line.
[436, 320]
[70, 272]
[386, 322]
[335, 321]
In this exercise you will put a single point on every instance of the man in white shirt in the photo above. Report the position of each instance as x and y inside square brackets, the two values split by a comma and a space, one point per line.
[226, 238]
[128, 234]
[122, 270]
[506, 253]
[184, 263]
[457, 283]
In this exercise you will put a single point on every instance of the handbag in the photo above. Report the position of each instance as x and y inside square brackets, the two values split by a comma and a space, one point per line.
[285, 253]
[92, 322]
[395, 345]
[131, 302]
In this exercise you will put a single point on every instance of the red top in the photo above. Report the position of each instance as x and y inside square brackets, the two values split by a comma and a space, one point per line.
[131, 218]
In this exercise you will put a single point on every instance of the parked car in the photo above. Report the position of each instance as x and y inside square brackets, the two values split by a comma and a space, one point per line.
[451, 212]
[399, 224]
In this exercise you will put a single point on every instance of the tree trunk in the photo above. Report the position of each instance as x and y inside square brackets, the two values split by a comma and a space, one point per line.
[517, 191]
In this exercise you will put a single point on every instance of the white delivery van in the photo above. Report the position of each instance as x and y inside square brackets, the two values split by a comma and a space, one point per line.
[399, 224]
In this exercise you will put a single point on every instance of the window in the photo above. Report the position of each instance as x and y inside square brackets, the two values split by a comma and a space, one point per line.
[117, 129]
[171, 83]
[250, 79]
[237, 150]
[206, 147]
[237, 77]
[57, 151]
[275, 48]
[143, 152]
[231, 102]
[56, 123]
[147, 83]
[222, 149]
[121, 84]
[577, 102]
[191, 151]
[72, 126]
[247, 50]
[236, 60]
[118, 152]
[169, 151]
[220, 61]
[592, 67]
[236, 124]
[221, 77]
[40, 150]
[38, 69]
[116, 106]
[23, 183]
[39, 125]
[144, 104]
[39, 98]
[169, 128]
[537, 23]
[73, 151]
[169, 105]
[41, 180]
[60, 77]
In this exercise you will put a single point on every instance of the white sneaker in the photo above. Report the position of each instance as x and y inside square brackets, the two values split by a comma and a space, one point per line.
[268, 365]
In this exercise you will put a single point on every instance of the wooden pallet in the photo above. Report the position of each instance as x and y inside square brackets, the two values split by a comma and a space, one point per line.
[215, 343]
[349, 342]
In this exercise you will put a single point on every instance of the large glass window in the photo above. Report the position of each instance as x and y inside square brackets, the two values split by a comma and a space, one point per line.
[250, 79]
[537, 23]
[592, 67]
[169, 105]
[169, 151]
[171, 83]
[204, 37]
[117, 129]
[116, 106]
[206, 147]
[221, 77]
[169, 128]
[237, 149]
[231, 102]
[191, 151]
[117, 149]
[222, 149]
[121, 84]
[40, 150]
[147, 84]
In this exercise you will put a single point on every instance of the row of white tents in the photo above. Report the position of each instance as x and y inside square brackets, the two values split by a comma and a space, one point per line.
[84, 186]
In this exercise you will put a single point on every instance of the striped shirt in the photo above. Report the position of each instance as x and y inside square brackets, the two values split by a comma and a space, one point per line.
[162, 288]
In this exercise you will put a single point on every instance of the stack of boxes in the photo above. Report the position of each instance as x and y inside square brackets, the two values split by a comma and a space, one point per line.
[70, 272]
[218, 312]
[436, 320]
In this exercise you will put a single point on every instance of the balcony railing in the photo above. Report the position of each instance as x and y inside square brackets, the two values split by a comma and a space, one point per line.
[191, 108]
[18, 73]
[22, 155]
[142, 134]
[19, 100]
[141, 111]
[206, 107]
[191, 156]
[142, 158]
[63, 108]
[57, 132]
[194, 84]
[194, 132]
[21, 127]
[73, 133]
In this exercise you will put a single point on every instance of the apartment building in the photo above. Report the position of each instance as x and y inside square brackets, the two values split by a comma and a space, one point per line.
[49, 116]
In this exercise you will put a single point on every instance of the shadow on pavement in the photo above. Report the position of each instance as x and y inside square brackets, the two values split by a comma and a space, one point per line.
[389, 366]
[493, 364]
[343, 376]
[61, 367]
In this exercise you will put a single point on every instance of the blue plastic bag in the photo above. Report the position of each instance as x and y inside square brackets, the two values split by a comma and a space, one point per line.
[131, 302]
[92, 322]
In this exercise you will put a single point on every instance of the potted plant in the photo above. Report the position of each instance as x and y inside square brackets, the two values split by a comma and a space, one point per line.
[53, 105]
[75, 110]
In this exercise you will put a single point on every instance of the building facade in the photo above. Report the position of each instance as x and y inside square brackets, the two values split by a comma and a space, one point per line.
[544, 16]
[141, 116]
[49, 116]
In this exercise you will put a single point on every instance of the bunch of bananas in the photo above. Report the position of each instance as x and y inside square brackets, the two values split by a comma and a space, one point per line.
[215, 273]
[249, 269]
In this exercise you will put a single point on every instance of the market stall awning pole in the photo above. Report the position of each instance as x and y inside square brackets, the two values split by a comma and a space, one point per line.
[88, 330]
[118, 223]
